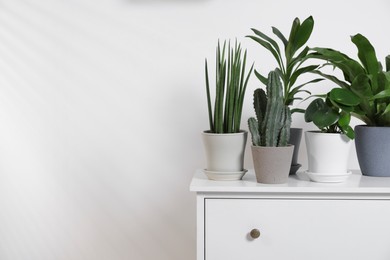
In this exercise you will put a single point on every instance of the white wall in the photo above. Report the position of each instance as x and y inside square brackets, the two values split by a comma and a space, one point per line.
[101, 108]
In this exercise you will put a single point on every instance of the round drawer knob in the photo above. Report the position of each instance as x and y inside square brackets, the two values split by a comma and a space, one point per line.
[255, 233]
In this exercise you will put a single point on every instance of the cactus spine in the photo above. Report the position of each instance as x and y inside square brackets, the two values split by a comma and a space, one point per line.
[272, 126]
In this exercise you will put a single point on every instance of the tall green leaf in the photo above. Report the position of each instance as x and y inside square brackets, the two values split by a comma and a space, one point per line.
[303, 33]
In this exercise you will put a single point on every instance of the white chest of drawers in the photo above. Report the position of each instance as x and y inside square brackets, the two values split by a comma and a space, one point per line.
[299, 220]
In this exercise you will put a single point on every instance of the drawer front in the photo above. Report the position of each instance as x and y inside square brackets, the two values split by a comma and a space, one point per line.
[297, 229]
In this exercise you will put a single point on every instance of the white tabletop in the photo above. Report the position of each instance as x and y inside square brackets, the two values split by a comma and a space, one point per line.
[299, 183]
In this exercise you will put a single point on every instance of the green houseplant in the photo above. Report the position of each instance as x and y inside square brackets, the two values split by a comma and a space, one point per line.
[225, 142]
[290, 67]
[367, 79]
[332, 115]
[270, 132]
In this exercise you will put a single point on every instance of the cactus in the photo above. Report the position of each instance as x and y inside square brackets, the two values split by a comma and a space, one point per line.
[272, 126]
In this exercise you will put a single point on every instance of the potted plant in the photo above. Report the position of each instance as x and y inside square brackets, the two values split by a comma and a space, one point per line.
[225, 141]
[328, 149]
[290, 68]
[270, 133]
[371, 83]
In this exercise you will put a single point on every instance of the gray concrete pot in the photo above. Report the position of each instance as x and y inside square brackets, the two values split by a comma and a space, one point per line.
[272, 164]
[373, 150]
[295, 139]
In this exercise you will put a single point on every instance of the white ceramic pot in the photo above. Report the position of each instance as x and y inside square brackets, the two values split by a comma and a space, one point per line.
[328, 155]
[225, 155]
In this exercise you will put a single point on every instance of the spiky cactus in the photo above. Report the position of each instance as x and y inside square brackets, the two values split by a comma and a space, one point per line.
[272, 126]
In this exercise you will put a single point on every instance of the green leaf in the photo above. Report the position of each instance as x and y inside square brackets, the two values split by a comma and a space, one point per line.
[320, 114]
[387, 62]
[344, 97]
[303, 33]
[331, 78]
[383, 81]
[366, 53]
[290, 49]
[306, 83]
[297, 110]
[313, 107]
[268, 47]
[348, 131]
[280, 35]
[268, 39]
[301, 71]
[325, 118]
[361, 86]
[383, 94]
[263, 79]
[301, 57]
[209, 98]
[345, 119]
[348, 66]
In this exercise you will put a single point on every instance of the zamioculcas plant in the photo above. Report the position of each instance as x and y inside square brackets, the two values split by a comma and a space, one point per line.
[332, 114]
[290, 63]
[272, 126]
[231, 83]
[365, 79]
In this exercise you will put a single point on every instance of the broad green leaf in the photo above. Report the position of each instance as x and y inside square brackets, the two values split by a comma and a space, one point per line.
[348, 131]
[303, 33]
[361, 86]
[314, 106]
[344, 97]
[345, 108]
[325, 117]
[348, 66]
[366, 53]
[383, 81]
[281, 36]
[290, 49]
[345, 119]
[383, 94]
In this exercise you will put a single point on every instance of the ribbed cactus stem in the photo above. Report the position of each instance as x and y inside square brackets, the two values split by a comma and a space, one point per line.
[272, 122]
[272, 127]
[284, 136]
[253, 125]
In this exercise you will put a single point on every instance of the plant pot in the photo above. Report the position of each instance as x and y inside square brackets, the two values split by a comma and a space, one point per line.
[373, 150]
[272, 164]
[295, 139]
[328, 155]
[225, 155]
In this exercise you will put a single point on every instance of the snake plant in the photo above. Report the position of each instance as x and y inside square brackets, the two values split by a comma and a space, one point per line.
[231, 82]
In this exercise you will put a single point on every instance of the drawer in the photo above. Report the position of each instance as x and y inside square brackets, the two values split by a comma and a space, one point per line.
[297, 229]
